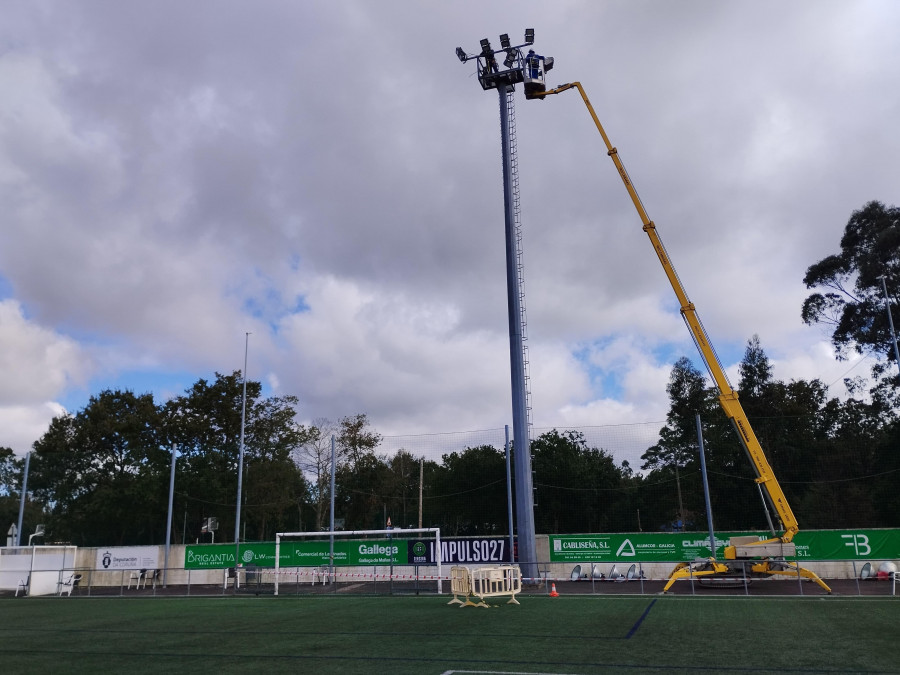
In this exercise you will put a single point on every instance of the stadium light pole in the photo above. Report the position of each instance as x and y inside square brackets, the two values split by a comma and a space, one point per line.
[237, 516]
[887, 307]
[492, 76]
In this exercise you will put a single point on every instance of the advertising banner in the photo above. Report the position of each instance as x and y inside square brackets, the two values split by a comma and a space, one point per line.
[128, 558]
[574, 548]
[315, 553]
[687, 546]
[456, 551]
[848, 544]
[298, 554]
[218, 556]
[386, 552]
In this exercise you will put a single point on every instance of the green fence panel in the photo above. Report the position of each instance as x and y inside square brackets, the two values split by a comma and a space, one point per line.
[687, 546]
[298, 554]
[882, 544]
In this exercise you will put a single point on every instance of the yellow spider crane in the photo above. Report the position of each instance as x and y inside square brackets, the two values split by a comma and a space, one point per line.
[761, 556]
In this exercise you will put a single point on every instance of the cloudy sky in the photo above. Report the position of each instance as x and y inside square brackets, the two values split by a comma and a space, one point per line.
[326, 176]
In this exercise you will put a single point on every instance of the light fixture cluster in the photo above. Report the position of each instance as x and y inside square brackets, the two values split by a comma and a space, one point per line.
[505, 46]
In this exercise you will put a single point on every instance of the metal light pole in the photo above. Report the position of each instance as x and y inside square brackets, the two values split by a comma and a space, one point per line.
[709, 516]
[491, 76]
[331, 519]
[509, 498]
[887, 307]
[169, 519]
[22, 498]
[237, 517]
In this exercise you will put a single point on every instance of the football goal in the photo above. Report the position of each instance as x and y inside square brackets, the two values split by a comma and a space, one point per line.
[399, 555]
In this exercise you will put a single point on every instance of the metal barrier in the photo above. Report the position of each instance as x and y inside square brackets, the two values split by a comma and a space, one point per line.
[492, 582]
[485, 582]
[461, 585]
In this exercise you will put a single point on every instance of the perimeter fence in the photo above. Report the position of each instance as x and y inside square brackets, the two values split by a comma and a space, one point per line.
[854, 578]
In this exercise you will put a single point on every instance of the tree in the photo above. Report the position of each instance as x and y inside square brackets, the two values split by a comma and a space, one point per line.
[361, 475]
[401, 492]
[576, 485]
[755, 370]
[356, 439]
[12, 469]
[10, 474]
[688, 397]
[361, 492]
[314, 460]
[104, 472]
[851, 303]
[467, 492]
[205, 423]
[101, 472]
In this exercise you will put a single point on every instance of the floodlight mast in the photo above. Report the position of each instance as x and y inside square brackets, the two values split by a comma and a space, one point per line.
[528, 70]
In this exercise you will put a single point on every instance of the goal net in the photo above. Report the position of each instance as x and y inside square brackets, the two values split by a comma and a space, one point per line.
[402, 558]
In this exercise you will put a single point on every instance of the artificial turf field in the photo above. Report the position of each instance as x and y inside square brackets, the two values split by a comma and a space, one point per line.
[424, 635]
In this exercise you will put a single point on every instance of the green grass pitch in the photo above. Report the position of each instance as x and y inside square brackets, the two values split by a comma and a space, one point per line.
[424, 635]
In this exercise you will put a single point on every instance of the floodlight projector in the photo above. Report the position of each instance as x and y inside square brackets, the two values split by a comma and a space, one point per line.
[529, 69]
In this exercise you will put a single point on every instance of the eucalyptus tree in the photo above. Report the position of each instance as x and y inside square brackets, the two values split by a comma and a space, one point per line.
[849, 300]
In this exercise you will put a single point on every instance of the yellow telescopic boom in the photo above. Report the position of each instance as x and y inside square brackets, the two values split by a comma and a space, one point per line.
[773, 550]
[728, 398]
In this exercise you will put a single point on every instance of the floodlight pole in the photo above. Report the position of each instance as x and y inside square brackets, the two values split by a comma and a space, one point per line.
[331, 519]
[509, 497]
[521, 442]
[169, 519]
[887, 307]
[237, 517]
[709, 516]
[22, 498]
[490, 76]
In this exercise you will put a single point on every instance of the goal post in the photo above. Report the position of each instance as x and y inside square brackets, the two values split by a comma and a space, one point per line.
[360, 549]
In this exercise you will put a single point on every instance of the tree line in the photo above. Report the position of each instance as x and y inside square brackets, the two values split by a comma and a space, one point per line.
[101, 476]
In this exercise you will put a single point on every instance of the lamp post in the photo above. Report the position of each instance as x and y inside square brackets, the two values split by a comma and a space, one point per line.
[887, 307]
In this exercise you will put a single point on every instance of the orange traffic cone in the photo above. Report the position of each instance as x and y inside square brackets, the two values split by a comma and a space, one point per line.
[553, 593]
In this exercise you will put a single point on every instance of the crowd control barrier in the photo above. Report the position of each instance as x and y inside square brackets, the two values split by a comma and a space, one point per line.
[485, 582]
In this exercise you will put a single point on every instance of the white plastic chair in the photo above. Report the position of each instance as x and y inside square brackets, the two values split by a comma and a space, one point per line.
[68, 584]
[137, 577]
